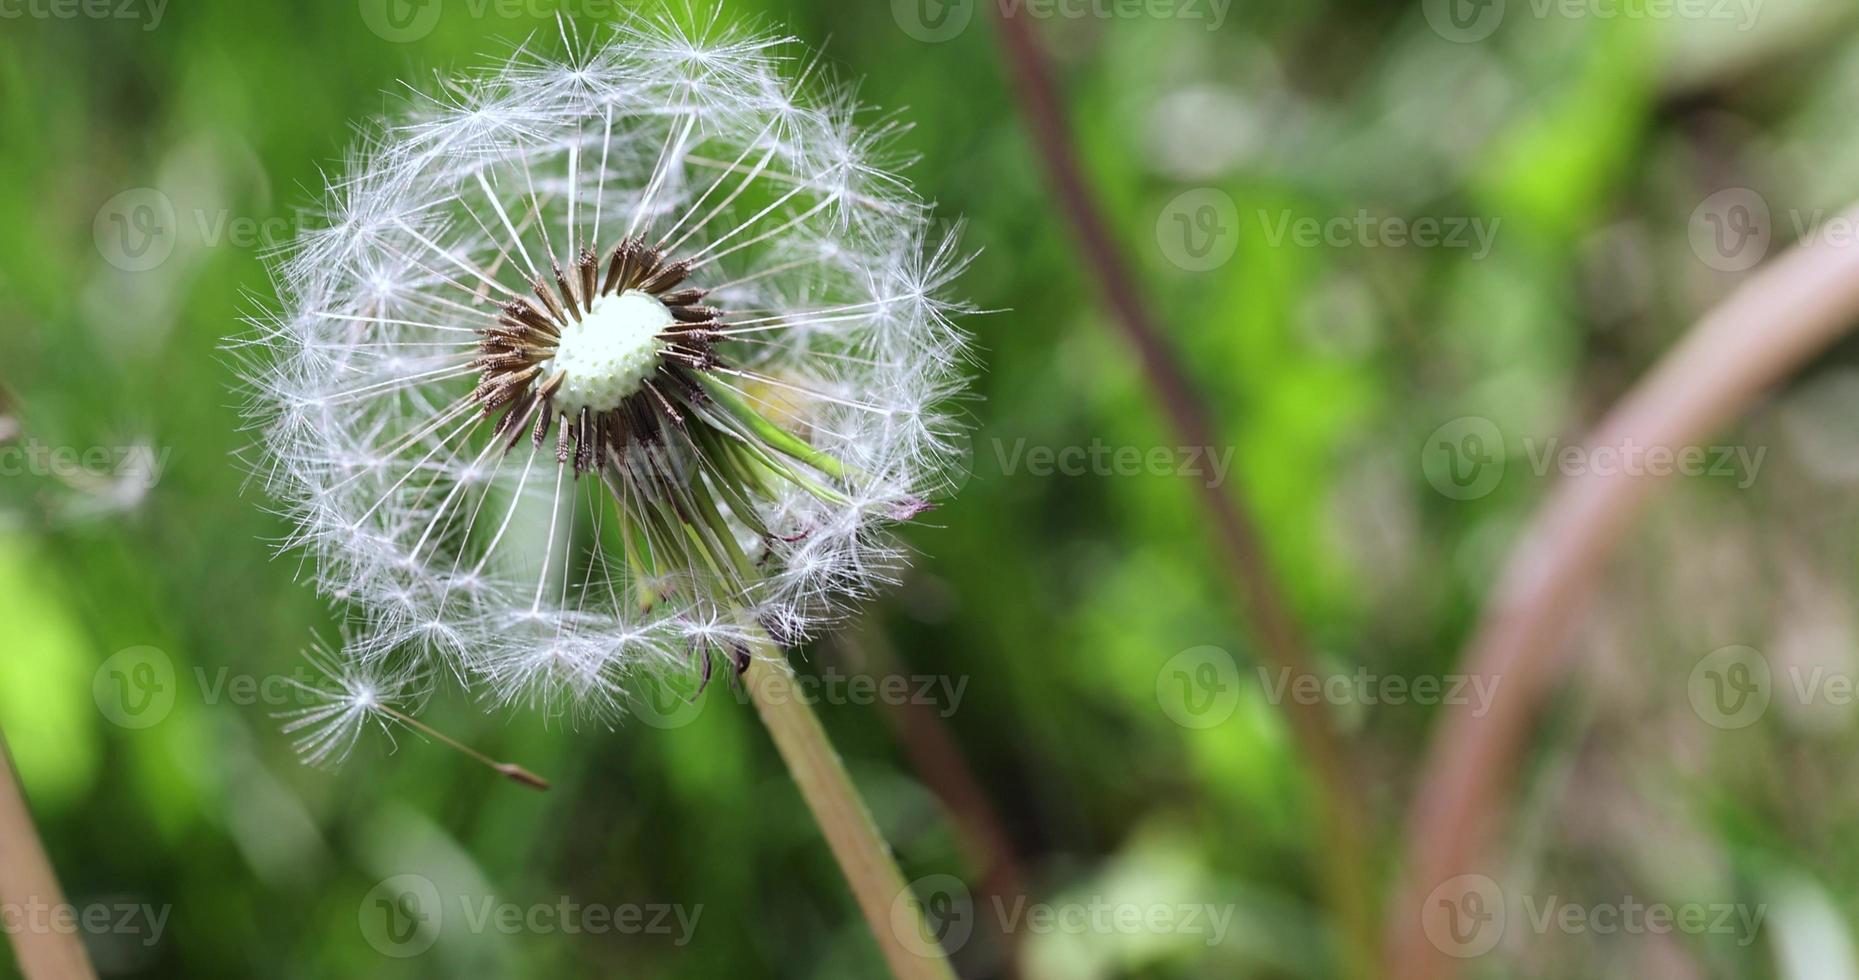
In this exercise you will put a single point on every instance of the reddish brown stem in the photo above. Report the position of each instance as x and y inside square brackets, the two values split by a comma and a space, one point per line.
[1789, 311]
[1280, 641]
[45, 951]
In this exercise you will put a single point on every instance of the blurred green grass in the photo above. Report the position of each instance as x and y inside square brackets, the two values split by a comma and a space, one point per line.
[1588, 141]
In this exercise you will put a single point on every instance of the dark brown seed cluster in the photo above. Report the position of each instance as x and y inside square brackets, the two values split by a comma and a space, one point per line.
[513, 354]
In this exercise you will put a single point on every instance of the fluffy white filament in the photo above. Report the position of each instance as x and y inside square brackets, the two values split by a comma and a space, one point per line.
[727, 150]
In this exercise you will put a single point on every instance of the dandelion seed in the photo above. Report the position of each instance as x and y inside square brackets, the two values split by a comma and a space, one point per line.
[344, 699]
[348, 697]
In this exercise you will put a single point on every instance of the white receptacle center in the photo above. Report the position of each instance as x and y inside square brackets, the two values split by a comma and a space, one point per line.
[608, 354]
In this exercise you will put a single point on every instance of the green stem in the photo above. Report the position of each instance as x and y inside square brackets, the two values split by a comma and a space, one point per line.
[891, 910]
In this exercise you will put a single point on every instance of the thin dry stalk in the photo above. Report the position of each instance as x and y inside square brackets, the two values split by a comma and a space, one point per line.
[1342, 847]
[27, 882]
[1786, 313]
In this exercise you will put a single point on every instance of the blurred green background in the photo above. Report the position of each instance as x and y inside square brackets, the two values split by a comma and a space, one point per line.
[1062, 624]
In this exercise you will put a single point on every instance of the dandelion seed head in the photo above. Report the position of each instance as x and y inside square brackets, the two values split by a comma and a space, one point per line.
[601, 362]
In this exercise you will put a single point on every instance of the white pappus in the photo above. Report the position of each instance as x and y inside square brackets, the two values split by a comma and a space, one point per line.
[603, 365]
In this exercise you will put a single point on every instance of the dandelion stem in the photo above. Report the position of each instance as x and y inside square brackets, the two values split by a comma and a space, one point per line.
[508, 770]
[889, 906]
[939, 761]
[27, 882]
